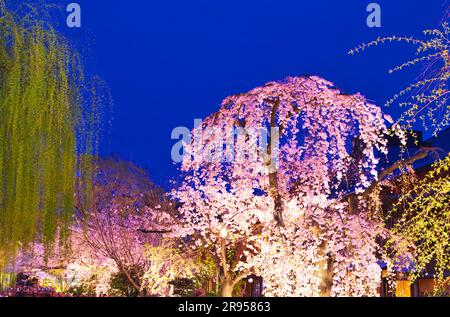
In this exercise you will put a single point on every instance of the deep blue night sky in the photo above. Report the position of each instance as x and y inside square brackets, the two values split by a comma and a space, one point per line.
[170, 61]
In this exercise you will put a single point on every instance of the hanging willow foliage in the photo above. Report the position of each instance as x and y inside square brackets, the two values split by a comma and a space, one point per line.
[424, 221]
[49, 123]
[421, 216]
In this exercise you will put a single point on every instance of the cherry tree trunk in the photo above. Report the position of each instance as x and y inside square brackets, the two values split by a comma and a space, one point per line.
[325, 265]
[326, 271]
[227, 288]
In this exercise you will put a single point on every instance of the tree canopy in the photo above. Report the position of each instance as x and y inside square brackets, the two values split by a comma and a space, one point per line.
[49, 130]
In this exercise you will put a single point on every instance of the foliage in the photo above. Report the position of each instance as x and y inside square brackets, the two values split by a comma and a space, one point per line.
[424, 221]
[426, 98]
[89, 279]
[168, 269]
[422, 214]
[7, 280]
[49, 129]
[184, 287]
[121, 285]
[129, 212]
[284, 214]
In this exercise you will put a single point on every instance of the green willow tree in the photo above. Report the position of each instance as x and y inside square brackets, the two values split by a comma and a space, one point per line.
[49, 123]
[422, 213]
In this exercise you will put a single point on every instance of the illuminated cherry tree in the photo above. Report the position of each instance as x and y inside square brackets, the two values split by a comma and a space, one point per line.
[279, 195]
[130, 212]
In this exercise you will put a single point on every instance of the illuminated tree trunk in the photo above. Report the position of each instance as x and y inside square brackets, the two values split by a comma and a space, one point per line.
[273, 175]
[227, 288]
[326, 271]
[326, 266]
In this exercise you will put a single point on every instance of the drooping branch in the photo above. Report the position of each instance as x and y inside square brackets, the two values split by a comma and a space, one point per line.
[273, 175]
[145, 231]
[251, 202]
[420, 155]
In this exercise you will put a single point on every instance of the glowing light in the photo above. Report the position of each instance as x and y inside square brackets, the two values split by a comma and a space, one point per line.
[224, 233]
